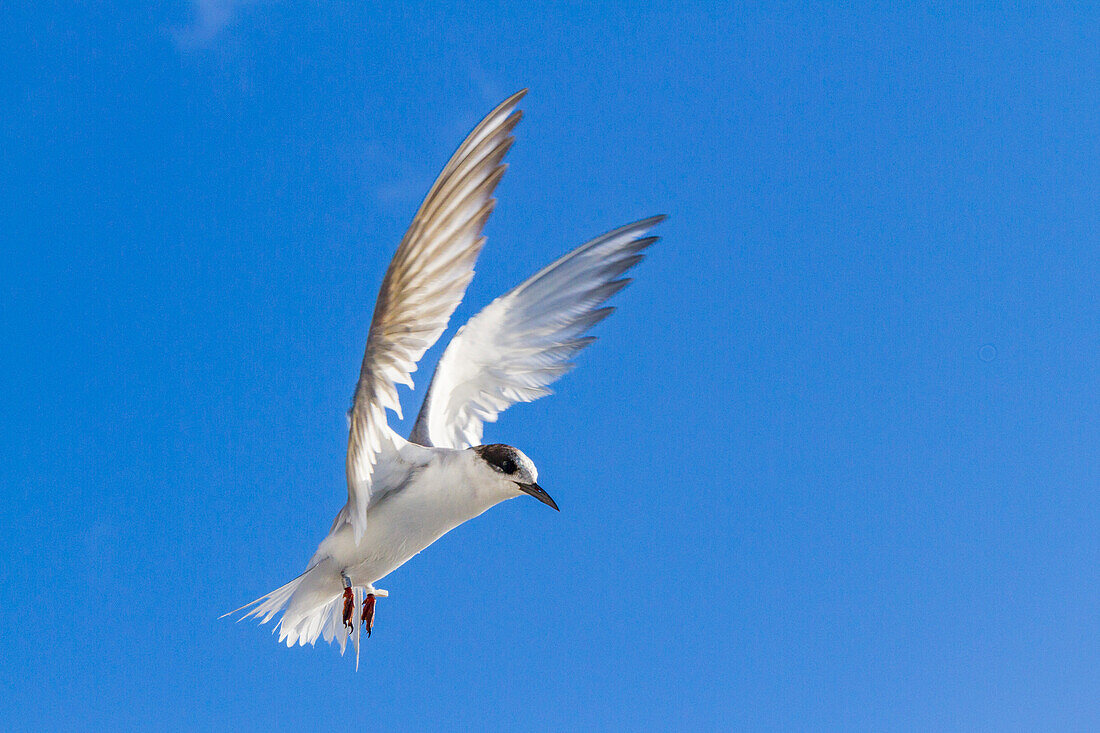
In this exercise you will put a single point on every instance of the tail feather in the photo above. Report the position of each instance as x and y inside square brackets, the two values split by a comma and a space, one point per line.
[270, 604]
[311, 606]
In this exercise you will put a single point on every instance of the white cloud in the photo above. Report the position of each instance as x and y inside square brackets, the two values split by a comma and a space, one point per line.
[211, 17]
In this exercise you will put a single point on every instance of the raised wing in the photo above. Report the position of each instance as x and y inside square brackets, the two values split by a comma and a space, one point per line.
[422, 287]
[524, 340]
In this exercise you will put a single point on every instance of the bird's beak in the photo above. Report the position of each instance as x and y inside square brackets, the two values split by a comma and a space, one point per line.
[537, 491]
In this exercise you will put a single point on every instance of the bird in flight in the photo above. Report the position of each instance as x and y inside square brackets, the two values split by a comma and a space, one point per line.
[404, 494]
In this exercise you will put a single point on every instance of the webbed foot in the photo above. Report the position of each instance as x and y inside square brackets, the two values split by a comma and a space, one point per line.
[349, 608]
[368, 613]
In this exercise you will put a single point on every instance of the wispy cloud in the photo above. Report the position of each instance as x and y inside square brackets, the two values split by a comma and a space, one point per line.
[491, 91]
[402, 192]
[210, 18]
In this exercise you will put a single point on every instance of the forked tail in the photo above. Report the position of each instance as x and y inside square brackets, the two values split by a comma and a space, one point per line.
[312, 606]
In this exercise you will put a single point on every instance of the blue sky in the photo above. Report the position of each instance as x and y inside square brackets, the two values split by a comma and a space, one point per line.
[832, 464]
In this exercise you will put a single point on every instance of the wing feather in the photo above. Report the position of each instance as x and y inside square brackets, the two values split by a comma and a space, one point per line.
[424, 284]
[525, 340]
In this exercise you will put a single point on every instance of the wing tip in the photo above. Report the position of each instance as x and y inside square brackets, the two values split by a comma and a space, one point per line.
[647, 223]
[511, 101]
[652, 221]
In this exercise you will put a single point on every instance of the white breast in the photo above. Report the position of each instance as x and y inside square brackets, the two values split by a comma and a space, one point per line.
[432, 499]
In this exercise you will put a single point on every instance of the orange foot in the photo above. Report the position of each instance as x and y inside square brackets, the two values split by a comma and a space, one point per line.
[368, 612]
[349, 608]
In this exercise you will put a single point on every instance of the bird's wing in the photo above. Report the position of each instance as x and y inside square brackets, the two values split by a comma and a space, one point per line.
[521, 342]
[422, 287]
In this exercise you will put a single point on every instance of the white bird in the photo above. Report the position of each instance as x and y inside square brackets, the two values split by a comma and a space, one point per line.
[403, 495]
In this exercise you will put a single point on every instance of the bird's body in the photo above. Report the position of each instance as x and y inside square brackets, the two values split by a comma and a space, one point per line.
[435, 490]
[403, 495]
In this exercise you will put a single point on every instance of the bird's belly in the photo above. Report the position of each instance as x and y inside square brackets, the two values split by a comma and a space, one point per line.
[400, 527]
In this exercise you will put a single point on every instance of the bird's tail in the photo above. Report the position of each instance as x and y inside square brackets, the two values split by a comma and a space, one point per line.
[312, 606]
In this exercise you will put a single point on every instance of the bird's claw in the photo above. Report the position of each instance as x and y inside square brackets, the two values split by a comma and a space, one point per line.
[349, 608]
[367, 618]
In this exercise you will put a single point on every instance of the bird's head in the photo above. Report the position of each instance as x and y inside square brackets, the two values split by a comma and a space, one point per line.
[514, 471]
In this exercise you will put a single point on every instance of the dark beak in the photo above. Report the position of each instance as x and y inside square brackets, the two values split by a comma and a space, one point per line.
[536, 491]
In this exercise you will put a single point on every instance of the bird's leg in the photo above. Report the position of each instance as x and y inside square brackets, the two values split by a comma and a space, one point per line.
[368, 613]
[349, 604]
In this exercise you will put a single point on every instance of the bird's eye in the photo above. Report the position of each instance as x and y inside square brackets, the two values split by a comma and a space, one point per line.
[508, 465]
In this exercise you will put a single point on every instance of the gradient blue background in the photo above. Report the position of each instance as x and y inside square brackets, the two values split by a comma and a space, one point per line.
[832, 464]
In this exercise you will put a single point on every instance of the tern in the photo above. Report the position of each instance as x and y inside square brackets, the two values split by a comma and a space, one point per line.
[404, 494]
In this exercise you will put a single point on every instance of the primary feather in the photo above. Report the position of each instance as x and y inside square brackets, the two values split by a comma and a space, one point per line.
[421, 289]
[524, 340]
